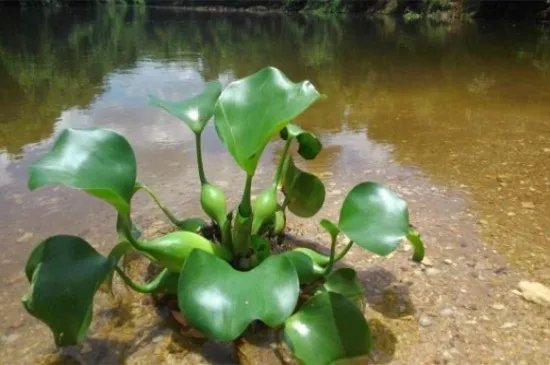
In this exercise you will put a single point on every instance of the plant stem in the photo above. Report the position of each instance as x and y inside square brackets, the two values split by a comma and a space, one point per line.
[143, 288]
[198, 149]
[343, 252]
[282, 161]
[245, 206]
[166, 211]
[285, 203]
[328, 269]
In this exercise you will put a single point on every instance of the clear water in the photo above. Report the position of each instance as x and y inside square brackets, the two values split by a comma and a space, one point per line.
[466, 106]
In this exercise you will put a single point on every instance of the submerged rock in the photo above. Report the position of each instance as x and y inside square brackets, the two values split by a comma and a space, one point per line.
[535, 292]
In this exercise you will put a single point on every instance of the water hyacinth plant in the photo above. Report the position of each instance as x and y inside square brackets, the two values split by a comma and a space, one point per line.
[228, 279]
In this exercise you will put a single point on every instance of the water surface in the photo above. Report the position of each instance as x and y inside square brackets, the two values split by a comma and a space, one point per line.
[465, 106]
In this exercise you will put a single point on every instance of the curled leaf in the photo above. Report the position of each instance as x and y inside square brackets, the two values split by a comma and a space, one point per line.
[195, 111]
[98, 161]
[304, 192]
[309, 145]
[65, 272]
[251, 110]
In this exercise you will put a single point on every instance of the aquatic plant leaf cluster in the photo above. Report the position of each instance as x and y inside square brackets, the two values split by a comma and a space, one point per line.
[225, 280]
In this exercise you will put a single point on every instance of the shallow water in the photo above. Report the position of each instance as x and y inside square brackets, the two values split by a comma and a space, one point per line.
[465, 107]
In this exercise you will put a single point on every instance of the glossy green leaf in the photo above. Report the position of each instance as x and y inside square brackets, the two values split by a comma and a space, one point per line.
[375, 218]
[221, 302]
[195, 111]
[416, 241]
[306, 268]
[65, 273]
[305, 193]
[213, 202]
[345, 281]
[98, 161]
[309, 146]
[264, 207]
[251, 110]
[172, 250]
[328, 327]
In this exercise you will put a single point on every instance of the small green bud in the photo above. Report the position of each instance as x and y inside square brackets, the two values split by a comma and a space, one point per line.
[264, 207]
[279, 222]
[213, 202]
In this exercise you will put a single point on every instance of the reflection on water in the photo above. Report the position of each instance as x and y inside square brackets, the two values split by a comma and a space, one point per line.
[468, 106]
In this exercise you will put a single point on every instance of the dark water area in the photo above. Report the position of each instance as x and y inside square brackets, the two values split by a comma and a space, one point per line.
[466, 106]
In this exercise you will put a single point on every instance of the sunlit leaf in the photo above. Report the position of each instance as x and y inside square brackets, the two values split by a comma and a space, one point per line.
[305, 193]
[309, 145]
[251, 110]
[328, 327]
[195, 111]
[173, 249]
[65, 273]
[375, 218]
[221, 302]
[96, 160]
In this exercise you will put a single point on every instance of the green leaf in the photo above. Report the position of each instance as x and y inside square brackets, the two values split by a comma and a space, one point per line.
[251, 110]
[330, 228]
[221, 302]
[309, 145]
[196, 111]
[98, 161]
[305, 193]
[328, 327]
[172, 249]
[345, 281]
[416, 241]
[65, 273]
[306, 268]
[375, 218]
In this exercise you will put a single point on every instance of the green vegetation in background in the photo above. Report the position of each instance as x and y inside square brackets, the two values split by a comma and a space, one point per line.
[440, 10]
[90, 44]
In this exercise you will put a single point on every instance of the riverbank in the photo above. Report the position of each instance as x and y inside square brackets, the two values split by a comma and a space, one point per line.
[410, 10]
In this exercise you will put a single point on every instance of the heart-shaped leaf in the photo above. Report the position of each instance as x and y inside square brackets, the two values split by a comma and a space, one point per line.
[328, 327]
[65, 273]
[305, 193]
[195, 111]
[345, 281]
[251, 110]
[309, 145]
[221, 302]
[375, 218]
[98, 161]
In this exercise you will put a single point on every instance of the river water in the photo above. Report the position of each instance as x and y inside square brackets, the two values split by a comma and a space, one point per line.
[464, 106]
